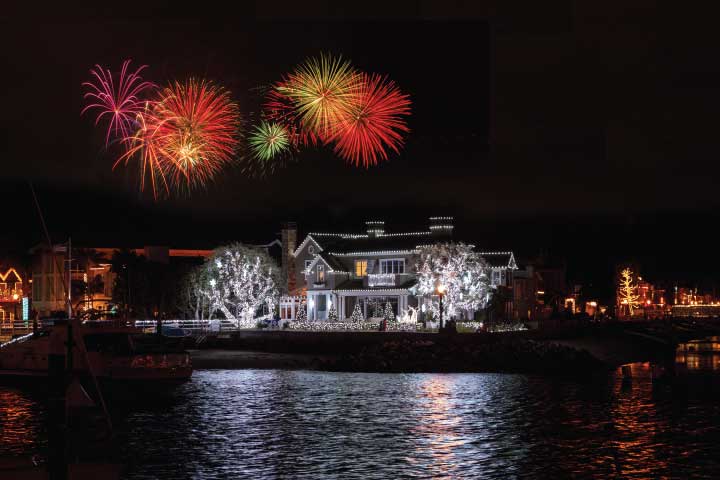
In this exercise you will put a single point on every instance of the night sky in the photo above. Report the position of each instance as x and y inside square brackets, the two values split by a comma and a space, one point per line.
[588, 133]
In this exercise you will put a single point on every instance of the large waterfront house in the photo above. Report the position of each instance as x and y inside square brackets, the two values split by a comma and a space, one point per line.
[371, 267]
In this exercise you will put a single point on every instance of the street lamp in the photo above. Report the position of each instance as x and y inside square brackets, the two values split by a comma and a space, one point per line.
[441, 294]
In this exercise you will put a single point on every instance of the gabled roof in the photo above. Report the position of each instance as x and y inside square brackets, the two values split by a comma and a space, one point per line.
[500, 259]
[380, 243]
[4, 277]
[309, 238]
[332, 263]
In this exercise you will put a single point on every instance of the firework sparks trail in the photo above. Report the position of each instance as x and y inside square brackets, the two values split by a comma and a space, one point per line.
[120, 100]
[321, 90]
[374, 121]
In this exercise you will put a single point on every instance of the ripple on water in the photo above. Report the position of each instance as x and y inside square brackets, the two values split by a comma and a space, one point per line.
[300, 424]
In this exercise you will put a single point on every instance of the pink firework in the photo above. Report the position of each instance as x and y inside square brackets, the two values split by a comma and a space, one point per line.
[119, 101]
[374, 122]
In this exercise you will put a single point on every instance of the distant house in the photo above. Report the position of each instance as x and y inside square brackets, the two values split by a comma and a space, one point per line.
[367, 268]
[11, 294]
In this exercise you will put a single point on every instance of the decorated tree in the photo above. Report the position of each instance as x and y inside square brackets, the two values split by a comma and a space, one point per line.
[627, 291]
[389, 315]
[460, 270]
[332, 313]
[357, 314]
[194, 304]
[238, 280]
[377, 309]
[301, 314]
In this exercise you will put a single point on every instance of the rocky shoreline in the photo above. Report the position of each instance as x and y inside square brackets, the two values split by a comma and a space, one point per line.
[508, 355]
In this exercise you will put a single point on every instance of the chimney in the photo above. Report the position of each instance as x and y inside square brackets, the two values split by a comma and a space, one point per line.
[375, 228]
[289, 244]
[441, 226]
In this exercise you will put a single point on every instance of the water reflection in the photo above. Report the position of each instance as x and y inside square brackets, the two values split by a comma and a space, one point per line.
[21, 419]
[295, 424]
[699, 355]
[435, 434]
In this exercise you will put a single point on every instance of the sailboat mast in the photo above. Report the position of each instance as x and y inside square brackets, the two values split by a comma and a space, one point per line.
[69, 279]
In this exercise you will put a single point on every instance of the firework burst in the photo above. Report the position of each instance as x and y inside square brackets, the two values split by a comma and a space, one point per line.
[279, 108]
[147, 145]
[271, 146]
[321, 90]
[373, 122]
[119, 101]
[199, 132]
[268, 140]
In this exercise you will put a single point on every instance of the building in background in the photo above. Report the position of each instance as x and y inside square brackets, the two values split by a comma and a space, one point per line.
[91, 275]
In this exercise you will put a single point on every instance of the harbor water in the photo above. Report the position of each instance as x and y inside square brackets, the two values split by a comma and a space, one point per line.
[306, 424]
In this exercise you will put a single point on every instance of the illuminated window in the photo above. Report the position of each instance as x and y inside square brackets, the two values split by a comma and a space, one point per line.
[360, 268]
[320, 273]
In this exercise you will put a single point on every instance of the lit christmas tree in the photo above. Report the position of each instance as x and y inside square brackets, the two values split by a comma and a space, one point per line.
[357, 315]
[301, 314]
[377, 309]
[389, 314]
[332, 313]
[627, 291]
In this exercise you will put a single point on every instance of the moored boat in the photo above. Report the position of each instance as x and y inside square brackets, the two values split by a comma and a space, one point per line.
[103, 350]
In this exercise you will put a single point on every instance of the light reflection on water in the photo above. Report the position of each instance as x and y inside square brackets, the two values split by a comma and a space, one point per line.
[300, 424]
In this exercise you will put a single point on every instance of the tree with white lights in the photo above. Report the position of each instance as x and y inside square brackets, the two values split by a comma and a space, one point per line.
[194, 303]
[238, 280]
[301, 314]
[376, 309]
[332, 313]
[461, 271]
[357, 314]
[627, 290]
[389, 315]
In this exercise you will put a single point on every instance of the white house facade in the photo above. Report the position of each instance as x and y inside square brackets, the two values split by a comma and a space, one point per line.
[371, 268]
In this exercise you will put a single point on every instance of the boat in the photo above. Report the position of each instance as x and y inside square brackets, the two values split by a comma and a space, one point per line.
[104, 350]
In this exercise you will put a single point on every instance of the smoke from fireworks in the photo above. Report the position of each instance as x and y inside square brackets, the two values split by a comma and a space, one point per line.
[120, 101]
[373, 122]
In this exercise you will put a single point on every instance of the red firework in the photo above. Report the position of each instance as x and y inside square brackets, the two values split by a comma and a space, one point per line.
[375, 121]
[280, 108]
[120, 101]
[203, 126]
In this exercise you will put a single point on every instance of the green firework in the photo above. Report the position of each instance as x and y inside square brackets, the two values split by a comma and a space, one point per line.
[269, 140]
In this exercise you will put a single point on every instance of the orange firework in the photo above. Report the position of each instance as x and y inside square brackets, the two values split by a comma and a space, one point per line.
[185, 137]
[201, 124]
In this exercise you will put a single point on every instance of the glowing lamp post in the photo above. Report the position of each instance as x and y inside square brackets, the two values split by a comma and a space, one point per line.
[441, 294]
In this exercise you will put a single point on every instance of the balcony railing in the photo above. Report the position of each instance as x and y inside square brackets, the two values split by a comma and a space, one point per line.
[11, 295]
[381, 280]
